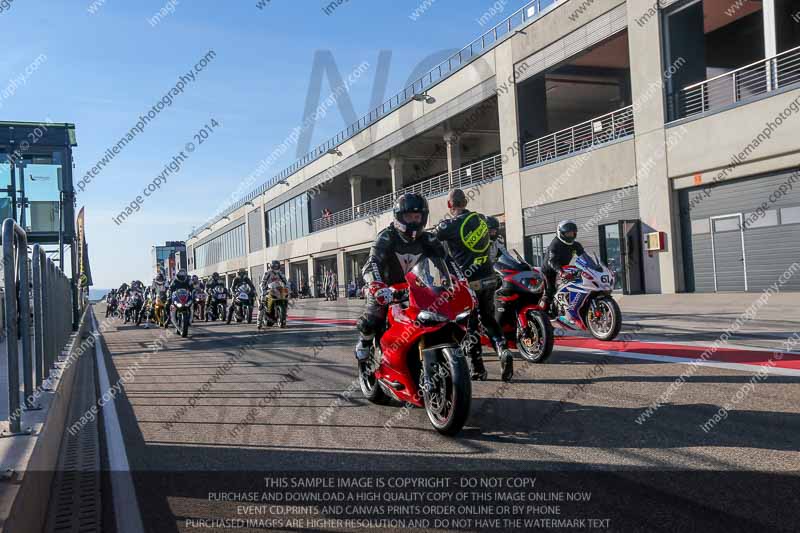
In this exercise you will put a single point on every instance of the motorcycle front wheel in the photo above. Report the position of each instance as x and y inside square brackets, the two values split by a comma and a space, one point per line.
[536, 343]
[448, 400]
[605, 321]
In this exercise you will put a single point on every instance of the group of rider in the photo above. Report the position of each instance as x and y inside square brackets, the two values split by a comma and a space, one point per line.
[193, 284]
[469, 242]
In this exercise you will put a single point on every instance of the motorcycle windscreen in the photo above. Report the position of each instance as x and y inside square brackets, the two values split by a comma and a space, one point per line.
[588, 262]
[182, 296]
[430, 285]
[508, 262]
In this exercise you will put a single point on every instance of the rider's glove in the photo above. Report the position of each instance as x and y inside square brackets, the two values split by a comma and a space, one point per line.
[381, 292]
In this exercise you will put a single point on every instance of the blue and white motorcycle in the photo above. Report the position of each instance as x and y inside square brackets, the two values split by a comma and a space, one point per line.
[583, 299]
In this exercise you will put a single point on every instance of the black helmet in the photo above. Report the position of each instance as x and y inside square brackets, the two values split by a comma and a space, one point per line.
[410, 203]
[215, 276]
[181, 275]
[275, 265]
[564, 227]
[242, 273]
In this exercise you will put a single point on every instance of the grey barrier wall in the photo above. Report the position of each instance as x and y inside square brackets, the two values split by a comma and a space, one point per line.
[47, 299]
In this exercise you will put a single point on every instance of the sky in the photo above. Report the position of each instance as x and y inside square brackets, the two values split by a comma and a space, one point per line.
[101, 64]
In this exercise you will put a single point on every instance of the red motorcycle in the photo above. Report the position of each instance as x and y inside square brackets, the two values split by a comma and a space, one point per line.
[418, 360]
[518, 308]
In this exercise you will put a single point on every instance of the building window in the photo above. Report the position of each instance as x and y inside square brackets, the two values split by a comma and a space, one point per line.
[790, 215]
[288, 221]
[755, 220]
[700, 226]
[229, 245]
[539, 244]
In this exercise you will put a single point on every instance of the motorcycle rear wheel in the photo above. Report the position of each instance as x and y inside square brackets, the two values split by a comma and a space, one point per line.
[369, 383]
[448, 408]
[538, 347]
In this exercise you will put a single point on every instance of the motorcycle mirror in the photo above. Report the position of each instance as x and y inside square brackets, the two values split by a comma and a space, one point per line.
[519, 257]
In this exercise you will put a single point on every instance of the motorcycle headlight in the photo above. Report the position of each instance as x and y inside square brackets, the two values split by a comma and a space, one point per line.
[428, 317]
[463, 317]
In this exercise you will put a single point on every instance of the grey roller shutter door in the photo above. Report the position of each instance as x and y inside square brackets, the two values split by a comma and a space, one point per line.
[769, 250]
[581, 39]
[620, 204]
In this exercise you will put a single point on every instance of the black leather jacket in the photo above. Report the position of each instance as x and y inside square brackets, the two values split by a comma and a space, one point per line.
[560, 254]
[213, 284]
[178, 284]
[392, 256]
[238, 282]
[467, 239]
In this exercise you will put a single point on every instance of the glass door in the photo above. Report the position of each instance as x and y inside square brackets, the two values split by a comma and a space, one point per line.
[611, 252]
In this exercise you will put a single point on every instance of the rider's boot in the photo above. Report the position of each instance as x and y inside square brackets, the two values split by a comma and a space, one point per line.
[363, 349]
[479, 372]
[506, 358]
[548, 307]
[472, 345]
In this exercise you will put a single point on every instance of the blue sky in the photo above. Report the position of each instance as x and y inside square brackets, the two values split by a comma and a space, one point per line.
[102, 70]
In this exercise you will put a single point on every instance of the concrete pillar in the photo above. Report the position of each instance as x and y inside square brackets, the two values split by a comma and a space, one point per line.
[770, 29]
[355, 190]
[340, 268]
[312, 278]
[509, 136]
[453, 152]
[656, 197]
[396, 164]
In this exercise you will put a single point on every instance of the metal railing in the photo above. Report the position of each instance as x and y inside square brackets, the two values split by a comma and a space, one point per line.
[47, 299]
[531, 11]
[466, 176]
[600, 130]
[755, 79]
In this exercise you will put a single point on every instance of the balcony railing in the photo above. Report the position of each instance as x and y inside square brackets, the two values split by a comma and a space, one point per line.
[482, 171]
[746, 82]
[528, 13]
[597, 131]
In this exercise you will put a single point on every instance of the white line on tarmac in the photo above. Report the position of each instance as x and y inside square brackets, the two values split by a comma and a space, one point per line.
[126, 507]
[752, 369]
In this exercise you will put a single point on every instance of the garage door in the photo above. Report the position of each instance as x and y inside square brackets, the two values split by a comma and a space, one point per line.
[743, 235]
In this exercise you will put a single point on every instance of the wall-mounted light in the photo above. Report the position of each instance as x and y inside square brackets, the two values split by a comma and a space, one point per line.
[335, 151]
[424, 97]
[284, 182]
[225, 218]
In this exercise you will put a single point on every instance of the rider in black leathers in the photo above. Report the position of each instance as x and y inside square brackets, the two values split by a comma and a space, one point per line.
[241, 279]
[560, 253]
[396, 250]
[467, 237]
[213, 283]
[181, 281]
